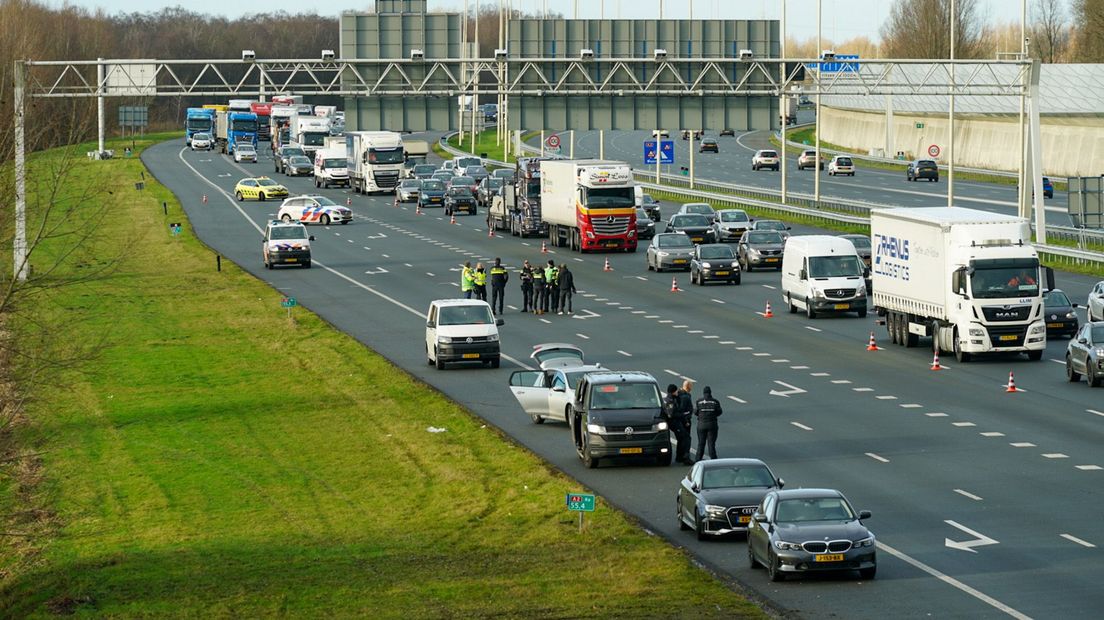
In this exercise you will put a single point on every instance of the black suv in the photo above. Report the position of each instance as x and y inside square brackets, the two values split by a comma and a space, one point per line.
[619, 414]
[285, 153]
[922, 169]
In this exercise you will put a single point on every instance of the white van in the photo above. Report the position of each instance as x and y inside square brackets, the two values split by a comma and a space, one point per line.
[821, 273]
[461, 330]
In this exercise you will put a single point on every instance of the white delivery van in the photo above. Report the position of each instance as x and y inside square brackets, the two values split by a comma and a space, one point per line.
[461, 330]
[821, 273]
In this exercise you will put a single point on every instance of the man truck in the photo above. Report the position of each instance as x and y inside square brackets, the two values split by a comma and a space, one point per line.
[309, 132]
[375, 160]
[589, 204]
[968, 279]
[198, 120]
[518, 208]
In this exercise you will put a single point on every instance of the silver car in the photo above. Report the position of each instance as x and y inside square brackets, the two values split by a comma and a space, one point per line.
[548, 394]
[670, 251]
[408, 190]
[1095, 302]
[731, 225]
[760, 248]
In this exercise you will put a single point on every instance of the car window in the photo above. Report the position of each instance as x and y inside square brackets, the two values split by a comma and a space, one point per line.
[767, 507]
[1096, 335]
[733, 215]
[764, 237]
[691, 220]
[736, 476]
[287, 232]
[459, 192]
[859, 242]
[266, 182]
[410, 184]
[432, 185]
[768, 154]
[463, 180]
[1056, 298]
[558, 381]
[526, 378]
[466, 315]
[675, 241]
[625, 396]
[641, 214]
[843, 161]
[574, 377]
[424, 169]
[558, 354]
[720, 251]
[770, 225]
[800, 510]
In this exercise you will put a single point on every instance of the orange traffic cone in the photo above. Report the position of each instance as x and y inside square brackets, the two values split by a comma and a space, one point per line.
[205, 199]
[417, 209]
[873, 346]
[674, 286]
[768, 314]
[490, 231]
[1011, 387]
[607, 267]
[452, 218]
[544, 247]
[349, 201]
[935, 360]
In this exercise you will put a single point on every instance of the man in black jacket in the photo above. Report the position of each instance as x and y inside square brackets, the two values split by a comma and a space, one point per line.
[527, 288]
[567, 289]
[681, 425]
[707, 410]
[499, 277]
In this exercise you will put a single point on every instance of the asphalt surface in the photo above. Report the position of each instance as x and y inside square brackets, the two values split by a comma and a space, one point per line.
[939, 457]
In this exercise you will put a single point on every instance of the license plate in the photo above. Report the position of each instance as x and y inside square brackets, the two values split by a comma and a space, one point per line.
[291, 260]
[632, 450]
[840, 306]
[720, 273]
[680, 261]
[612, 244]
[696, 239]
[770, 260]
[471, 356]
[435, 200]
[1009, 337]
[744, 519]
[828, 557]
[1054, 324]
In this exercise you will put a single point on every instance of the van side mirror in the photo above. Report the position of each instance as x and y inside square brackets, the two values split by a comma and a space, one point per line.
[1050, 278]
[430, 324]
[958, 281]
[310, 238]
[864, 514]
[500, 322]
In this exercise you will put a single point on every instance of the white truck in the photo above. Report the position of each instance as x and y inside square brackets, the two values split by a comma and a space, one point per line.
[279, 119]
[969, 279]
[309, 132]
[589, 204]
[331, 166]
[375, 160]
[240, 105]
[788, 115]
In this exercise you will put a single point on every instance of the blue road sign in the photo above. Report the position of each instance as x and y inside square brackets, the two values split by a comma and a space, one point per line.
[666, 152]
[838, 67]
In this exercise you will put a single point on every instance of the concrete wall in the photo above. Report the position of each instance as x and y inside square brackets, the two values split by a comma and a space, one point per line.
[1072, 146]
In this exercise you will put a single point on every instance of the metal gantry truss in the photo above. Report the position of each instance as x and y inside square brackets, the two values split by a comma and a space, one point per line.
[520, 77]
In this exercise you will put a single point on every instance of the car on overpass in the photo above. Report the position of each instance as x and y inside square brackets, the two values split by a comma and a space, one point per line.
[669, 251]
[1060, 314]
[1085, 355]
[760, 248]
[922, 169]
[808, 159]
[259, 188]
[718, 496]
[619, 415]
[714, 262]
[765, 158]
[841, 164]
[730, 225]
[796, 531]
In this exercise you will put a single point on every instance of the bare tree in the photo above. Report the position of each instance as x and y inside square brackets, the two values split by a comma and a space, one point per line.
[1089, 38]
[1050, 34]
[921, 29]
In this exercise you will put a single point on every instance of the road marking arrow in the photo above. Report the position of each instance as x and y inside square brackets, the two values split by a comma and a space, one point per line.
[787, 393]
[375, 272]
[589, 315]
[379, 236]
[968, 545]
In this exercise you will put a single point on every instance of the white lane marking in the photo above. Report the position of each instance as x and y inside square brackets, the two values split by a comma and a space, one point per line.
[820, 374]
[430, 274]
[780, 361]
[685, 378]
[576, 259]
[728, 342]
[588, 294]
[638, 311]
[968, 494]
[886, 397]
[666, 321]
[1074, 539]
[679, 326]
[624, 353]
[349, 240]
[1054, 455]
[511, 307]
[1057, 361]
[546, 321]
[670, 372]
[951, 581]
[651, 316]
[693, 331]
[936, 414]
[612, 303]
[524, 243]
[408, 264]
[367, 248]
[862, 389]
[1089, 467]
[743, 348]
[641, 278]
[761, 354]
[786, 393]
[601, 299]
[877, 458]
[963, 424]
[583, 336]
[802, 426]
[1095, 412]
[811, 328]
[717, 301]
[739, 400]
[710, 337]
[910, 406]
[980, 539]
[1022, 444]
[991, 434]
[769, 286]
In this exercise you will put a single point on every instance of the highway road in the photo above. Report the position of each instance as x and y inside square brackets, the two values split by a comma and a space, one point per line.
[941, 458]
[733, 165]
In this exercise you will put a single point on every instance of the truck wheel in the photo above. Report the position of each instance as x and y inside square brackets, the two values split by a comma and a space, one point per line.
[891, 327]
[1034, 355]
[960, 355]
[809, 312]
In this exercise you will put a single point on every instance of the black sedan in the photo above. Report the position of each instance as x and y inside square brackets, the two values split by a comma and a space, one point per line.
[432, 194]
[761, 248]
[922, 169]
[298, 166]
[1085, 355]
[423, 171]
[719, 496]
[714, 262]
[459, 198]
[1059, 314]
[698, 227]
[810, 530]
[651, 207]
[645, 227]
[488, 189]
[709, 145]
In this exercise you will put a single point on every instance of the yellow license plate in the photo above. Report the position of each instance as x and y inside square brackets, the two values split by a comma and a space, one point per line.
[1009, 337]
[771, 260]
[680, 261]
[632, 450]
[840, 306]
[291, 260]
[696, 239]
[744, 519]
[1054, 324]
[471, 356]
[828, 557]
[720, 273]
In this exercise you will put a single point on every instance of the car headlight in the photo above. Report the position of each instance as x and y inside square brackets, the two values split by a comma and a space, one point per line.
[861, 291]
[1100, 352]
[753, 251]
[596, 429]
[707, 266]
[866, 542]
[782, 545]
[492, 338]
[661, 426]
[714, 511]
[663, 254]
[1038, 329]
[977, 331]
[1071, 315]
[735, 265]
[816, 292]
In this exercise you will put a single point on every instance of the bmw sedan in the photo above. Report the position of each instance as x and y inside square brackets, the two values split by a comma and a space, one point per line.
[761, 248]
[669, 251]
[810, 530]
[698, 227]
[719, 496]
[1085, 355]
[714, 262]
[1060, 314]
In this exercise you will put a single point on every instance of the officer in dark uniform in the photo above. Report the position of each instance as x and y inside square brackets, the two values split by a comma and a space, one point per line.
[707, 410]
[682, 430]
[538, 290]
[527, 287]
[676, 421]
[499, 277]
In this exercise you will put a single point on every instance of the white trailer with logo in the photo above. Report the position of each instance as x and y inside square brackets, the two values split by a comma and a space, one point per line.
[375, 160]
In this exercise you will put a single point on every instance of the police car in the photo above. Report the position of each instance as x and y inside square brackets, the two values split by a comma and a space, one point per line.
[314, 210]
[259, 188]
[286, 243]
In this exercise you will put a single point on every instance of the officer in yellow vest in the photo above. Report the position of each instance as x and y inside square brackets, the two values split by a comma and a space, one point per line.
[499, 277]
[466, 280]
[550, 300]
[479, 282]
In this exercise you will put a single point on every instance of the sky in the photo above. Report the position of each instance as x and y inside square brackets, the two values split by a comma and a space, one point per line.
[840, 19]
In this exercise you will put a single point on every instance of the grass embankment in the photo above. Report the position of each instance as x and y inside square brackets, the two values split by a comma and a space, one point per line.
[217, 460]
[484, 143]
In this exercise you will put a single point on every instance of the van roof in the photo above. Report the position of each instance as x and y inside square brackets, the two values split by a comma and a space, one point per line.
[616, 376]
[826, 243]
[460, 302]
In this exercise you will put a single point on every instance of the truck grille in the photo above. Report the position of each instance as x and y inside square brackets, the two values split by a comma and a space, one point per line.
[386, 180]
[999, 314]
[610, 225]
[1007, 336]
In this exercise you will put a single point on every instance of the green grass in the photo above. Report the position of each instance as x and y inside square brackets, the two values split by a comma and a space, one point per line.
[219, 460]
[484, 143]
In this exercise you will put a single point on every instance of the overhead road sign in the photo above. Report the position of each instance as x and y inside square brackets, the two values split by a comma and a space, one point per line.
[666, 152]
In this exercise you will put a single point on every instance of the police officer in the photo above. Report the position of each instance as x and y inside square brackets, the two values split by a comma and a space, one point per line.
[538, 290]
[466, 282]
[707, 410]
[682, 427]
[479, 282]
[551, 296]
[499, 277]
[672, 411]
[527, 287]
[566, 286]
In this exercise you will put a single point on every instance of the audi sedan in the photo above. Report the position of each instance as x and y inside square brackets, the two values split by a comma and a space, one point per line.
[714, 262]
[645, 227]
[761, 248]
[810, 530]
[719, 496]
[709, 145]
[669, 251]
[922, 169]
[1085, 355]
[698, 227]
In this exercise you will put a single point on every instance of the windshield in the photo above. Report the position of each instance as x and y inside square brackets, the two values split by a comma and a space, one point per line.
[493, 183]
[860, 243]
[674, 241]
[610, 198]
[201, 136]
[532, 190]
[199, 124]
[1097, 334]
[385, 156]
[465, 315]
[313, 139]
[299, 160]
[719, 251]
[769, 225]
[424, 169]
[690, 220]
[999, 282]
[1056, 298]
[573, 378]
[843, 161]
[816, 509]
[325, 202]
[246, 148]
[641, 216]
[287, 232]
[293, 150]
[764, 237]
[834, 266]
[625, 396]
[266, 183]
[335, 163]
[246, 126]
[733, 215]
[459, 192]
[464, 162]
[432, 185]
[768, 154]
[411, 184]
[736, 476]
[475, 170]
[463, 181]
[703, 209]
[926, 164]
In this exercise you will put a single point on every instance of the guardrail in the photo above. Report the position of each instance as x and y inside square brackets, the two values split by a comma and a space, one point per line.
[844, 211]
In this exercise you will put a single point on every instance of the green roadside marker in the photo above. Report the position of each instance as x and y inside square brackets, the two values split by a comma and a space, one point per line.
[580, 503]
[288, 302]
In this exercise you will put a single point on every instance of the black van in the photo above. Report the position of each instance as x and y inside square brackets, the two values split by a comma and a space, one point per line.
[619, 414]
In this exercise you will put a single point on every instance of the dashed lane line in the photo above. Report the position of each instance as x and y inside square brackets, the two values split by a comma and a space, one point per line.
[910, 405]
[968, 494]
[1089, 467]
[1054, 455]
[739, 400]
[546, 321]
[886, 397]
[670, 372]
[963, 424]
[841, 381]
[717, 301]
[862, 389]
[812, 329]
[881, 459]
[1022, 444]
[1074, 539]
[991, 434]
[583, 336]
[802, 426]
[625, 353]
[820, 374]
[761, 354]
[694, 331]
[430, 274]
[1095, 412]
[936, 414]
[799, 368]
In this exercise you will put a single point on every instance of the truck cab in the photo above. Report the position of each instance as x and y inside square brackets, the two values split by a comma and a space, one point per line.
[331, 167]
[589, 204]
[619, 415]
[517, 207]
